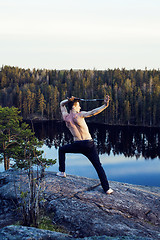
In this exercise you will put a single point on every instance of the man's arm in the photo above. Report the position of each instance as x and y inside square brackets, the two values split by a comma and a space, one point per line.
[96, 110]
[63, 107]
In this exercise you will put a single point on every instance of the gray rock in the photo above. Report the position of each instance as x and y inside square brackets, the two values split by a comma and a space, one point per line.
[29, 233]
[23, 233]
[80, 205]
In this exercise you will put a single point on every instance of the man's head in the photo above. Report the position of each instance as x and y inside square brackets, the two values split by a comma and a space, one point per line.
[74, 105]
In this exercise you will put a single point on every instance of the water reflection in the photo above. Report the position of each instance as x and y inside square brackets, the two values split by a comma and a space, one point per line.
[129, 141]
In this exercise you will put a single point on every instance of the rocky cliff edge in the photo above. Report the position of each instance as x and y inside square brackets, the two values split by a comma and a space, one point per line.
[80, 206]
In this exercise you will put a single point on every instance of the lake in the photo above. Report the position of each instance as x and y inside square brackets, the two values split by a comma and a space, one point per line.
[128, 154]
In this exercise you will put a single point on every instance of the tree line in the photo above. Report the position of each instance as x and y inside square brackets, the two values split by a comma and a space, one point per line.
[134, 94]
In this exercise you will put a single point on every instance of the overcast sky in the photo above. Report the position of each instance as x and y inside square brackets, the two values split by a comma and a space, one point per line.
[80, 34]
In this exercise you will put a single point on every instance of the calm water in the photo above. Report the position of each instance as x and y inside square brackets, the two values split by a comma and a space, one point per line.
[128, 154]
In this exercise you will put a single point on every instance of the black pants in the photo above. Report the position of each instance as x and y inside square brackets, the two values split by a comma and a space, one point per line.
[87, 148]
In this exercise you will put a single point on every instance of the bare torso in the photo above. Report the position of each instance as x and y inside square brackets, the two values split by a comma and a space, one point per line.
[77, 126]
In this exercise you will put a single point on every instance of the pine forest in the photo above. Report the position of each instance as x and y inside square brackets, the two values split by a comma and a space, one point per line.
[134, 94]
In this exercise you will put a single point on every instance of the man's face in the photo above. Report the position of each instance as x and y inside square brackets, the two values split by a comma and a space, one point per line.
[77, 107]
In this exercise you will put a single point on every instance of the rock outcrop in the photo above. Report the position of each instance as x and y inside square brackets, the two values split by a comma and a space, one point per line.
[80, 205]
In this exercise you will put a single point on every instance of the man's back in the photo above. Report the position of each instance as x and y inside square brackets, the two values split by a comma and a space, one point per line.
[77, 126]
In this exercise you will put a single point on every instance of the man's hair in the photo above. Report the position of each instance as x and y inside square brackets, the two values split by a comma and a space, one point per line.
[72, 103]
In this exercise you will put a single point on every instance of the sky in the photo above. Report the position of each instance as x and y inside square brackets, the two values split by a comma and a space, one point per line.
[80, 34]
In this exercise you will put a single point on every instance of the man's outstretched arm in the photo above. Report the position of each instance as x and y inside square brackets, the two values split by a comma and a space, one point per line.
[96, 110]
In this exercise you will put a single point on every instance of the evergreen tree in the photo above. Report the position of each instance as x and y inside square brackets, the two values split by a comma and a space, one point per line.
[18, 142]
[42, 104]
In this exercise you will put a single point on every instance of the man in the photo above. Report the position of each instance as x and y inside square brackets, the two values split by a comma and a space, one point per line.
[83, 142]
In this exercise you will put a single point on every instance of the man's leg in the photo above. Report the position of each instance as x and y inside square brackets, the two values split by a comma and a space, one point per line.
[69, 148]
[89, 150]
[92, 155]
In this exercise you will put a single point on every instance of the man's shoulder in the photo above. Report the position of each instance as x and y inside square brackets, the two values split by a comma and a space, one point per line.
[81, 113]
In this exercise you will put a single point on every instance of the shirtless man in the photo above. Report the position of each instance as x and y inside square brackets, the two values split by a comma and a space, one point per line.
[83, 142]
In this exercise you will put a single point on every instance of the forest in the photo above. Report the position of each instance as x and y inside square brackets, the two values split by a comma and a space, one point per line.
[134, 94]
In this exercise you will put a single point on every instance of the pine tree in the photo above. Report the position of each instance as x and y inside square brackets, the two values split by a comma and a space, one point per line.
[42, 104]
[29, 100]
[18, 141]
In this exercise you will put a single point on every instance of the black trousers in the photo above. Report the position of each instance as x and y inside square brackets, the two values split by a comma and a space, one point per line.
[87, 148]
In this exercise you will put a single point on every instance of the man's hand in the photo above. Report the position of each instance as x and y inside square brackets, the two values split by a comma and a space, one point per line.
[71, 99]
[106, 100]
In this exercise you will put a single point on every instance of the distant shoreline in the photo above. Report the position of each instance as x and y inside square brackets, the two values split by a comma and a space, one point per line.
[39, 119]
